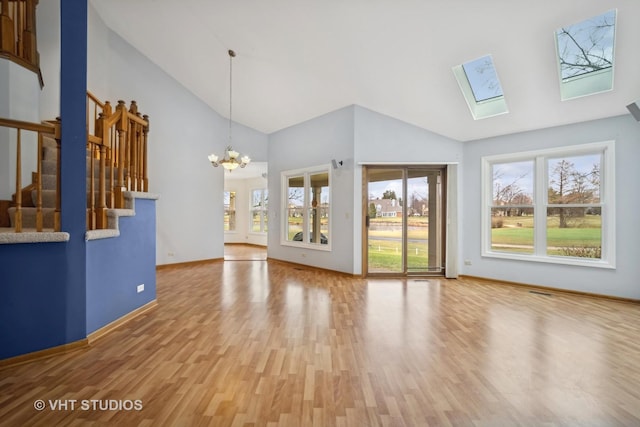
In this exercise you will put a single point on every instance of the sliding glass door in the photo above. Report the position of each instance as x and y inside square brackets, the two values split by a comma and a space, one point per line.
[404, 220]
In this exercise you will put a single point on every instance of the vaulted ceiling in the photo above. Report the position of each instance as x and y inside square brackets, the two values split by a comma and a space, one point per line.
[298, 59]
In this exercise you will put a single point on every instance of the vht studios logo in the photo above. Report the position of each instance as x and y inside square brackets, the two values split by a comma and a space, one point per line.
[88, 405]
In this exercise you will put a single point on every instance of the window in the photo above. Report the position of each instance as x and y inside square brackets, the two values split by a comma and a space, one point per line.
[553, 205]
[308, 208]
[585, 53]
[229, 211]
[481, 88]
[259, 205]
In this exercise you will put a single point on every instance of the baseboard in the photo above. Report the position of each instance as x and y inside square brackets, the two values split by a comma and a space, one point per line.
[188, 263]
[310, 267]
[549, 288]
[43, 354]
[96, 335]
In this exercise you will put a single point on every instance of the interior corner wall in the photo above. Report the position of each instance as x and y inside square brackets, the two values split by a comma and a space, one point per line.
[314, 143]
[621, 281]
[382, 139]
[184, 131]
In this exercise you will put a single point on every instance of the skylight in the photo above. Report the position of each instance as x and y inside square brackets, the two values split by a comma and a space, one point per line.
[482, 77]
[585, 54]
[481, 88]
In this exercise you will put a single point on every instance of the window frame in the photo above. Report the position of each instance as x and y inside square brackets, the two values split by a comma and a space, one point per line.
[264, 211]
[305, 173]
[606, 149]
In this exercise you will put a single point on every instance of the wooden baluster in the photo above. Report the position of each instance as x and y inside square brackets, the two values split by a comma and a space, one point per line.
[7, 38]
[18, 21]
[101, 208]
[145, 133]
[122, 128]
[39, 220]
[29, 34]
[56, 215]
[18, 213]
[91, 211]
[112, 163]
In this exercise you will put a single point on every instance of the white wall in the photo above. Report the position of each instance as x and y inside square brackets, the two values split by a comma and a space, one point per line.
[48, 27]
[313, 143]
[183, 131]
[623, 281]
[383, 139]
[243, 189]
[20, 97]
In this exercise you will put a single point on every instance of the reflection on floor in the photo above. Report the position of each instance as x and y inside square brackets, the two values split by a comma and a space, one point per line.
[240, 252]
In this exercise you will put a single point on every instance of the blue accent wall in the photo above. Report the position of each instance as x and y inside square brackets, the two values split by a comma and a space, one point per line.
[116, 266]
[33, 301]
[73, 99]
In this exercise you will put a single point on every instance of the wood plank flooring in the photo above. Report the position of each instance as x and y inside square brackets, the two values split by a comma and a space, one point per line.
[270, 344]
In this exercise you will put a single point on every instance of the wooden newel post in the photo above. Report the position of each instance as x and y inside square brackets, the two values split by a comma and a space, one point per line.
[122, 126]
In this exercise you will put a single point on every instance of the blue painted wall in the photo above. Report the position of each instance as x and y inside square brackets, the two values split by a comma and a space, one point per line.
[33, 301]
[116, 266]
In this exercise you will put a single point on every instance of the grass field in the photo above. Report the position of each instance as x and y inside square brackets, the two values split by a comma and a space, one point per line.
[516, 235]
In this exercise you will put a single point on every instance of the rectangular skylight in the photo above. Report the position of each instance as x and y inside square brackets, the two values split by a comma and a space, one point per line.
[481, 88]
[483, 79]
[585, 53]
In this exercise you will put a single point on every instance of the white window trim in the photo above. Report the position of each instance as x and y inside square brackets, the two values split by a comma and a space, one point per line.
[607, 200]
[284, 182]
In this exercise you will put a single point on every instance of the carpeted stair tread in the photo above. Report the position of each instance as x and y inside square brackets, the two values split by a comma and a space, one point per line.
[29, 217]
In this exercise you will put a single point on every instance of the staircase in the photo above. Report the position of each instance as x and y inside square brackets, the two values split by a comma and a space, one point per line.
[116, 162]
[30, 193]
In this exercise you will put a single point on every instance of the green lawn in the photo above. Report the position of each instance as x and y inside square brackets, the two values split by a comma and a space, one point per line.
[516, 235]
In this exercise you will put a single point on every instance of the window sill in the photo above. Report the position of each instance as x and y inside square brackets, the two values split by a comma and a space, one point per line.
[580, 262]
[312, 246]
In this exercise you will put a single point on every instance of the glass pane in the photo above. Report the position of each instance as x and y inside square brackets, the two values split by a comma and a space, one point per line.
[574, 180]
[574, 232]
[512, 230]
[255, 221]
[295, 208]
[513, 183]
[384, 234]
[483, 78]
[586, 47]
[319, 210]
[424, 226]
[229, 210]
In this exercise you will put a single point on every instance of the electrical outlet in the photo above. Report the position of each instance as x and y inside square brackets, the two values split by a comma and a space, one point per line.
[467, 262]
[170, 254]
[140, 288]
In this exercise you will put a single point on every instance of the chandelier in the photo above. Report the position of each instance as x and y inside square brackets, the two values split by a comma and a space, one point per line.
[231, 159]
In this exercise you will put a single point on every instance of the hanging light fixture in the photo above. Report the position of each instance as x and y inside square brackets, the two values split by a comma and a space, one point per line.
[231, 159]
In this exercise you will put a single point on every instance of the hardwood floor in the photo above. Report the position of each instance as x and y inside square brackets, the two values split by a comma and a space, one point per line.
[266, 343]
[240, 252]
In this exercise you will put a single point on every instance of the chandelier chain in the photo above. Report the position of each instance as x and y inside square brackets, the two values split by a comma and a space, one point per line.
[231, 55]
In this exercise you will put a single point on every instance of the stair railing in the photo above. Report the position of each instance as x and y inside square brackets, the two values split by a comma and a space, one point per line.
[50, 128]
[119, 145]
[18, 33]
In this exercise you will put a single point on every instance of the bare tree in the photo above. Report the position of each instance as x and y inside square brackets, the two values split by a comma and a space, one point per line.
[587, 46]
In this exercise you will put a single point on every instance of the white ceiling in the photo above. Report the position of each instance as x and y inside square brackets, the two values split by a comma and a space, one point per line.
[298, 59]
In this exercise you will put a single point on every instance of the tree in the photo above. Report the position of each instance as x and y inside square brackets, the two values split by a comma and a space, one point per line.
[567, 185]
[389, 194]
[587, 46]
[373, 212]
